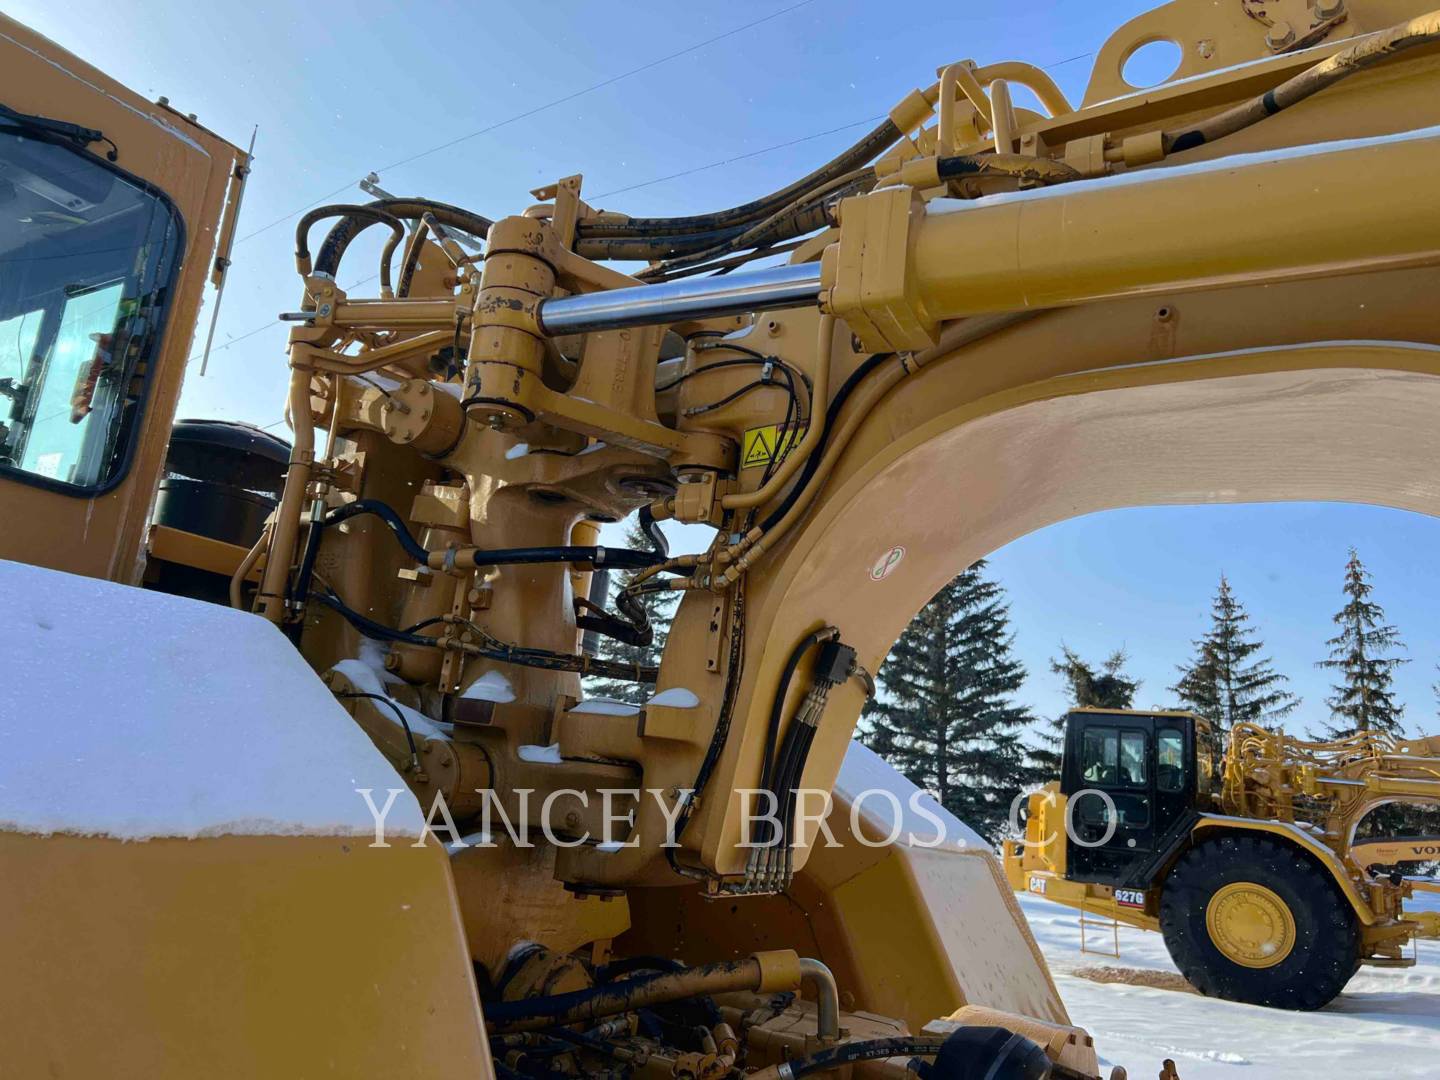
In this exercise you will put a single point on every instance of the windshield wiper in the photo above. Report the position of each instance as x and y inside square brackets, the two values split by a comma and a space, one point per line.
[57, 130]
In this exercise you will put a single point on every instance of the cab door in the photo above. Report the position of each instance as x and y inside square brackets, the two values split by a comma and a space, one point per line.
[1110, 783]
[110, 206]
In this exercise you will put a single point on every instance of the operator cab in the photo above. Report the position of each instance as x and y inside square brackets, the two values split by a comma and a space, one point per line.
[1135, 782]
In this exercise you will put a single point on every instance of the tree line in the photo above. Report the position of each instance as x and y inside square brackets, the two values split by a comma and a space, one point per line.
[947, 713]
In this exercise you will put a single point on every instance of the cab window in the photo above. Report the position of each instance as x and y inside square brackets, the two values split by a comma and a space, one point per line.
[1099, 756]
[1114, 757]
[1169, 760]
[1132, 759]
[87, 258]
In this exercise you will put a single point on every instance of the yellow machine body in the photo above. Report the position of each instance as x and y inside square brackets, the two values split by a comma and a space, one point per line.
[1220, 289]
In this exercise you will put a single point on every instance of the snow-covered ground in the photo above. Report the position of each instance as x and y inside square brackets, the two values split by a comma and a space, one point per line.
[1385, 1026]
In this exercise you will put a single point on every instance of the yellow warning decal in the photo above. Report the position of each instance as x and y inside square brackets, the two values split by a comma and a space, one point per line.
[763, 445]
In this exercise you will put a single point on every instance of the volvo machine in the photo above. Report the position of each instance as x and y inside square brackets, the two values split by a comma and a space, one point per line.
[359, 818]
[1246, 860]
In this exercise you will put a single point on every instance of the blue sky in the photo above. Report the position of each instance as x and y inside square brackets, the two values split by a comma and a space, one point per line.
[338, 93]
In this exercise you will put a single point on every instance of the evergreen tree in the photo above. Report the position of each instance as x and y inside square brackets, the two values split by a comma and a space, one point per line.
[1363, 699]
[1086, 688]
[660, 607]
[946, 715]
[1227, 682]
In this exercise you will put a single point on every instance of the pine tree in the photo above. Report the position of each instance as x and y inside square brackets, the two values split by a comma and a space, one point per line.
[946, 715]
[1086, 688]
[660, 607]
[1363, 699]
[1227, 683]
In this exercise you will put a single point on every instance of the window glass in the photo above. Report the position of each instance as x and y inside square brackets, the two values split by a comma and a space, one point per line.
[86, 261]
[1207, 756]
[1132, 758]
[1099, 755]
[1169, 760]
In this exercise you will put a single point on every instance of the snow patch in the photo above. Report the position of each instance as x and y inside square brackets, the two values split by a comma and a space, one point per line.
[606, 707]
[677, 697]
[863, 770]
[542, 755]
[492, 686]
[367, 680]
[169, 717]
[1386, 1022]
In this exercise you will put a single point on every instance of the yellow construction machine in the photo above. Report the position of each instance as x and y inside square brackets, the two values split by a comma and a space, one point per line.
[359, 819]
[1246, 859]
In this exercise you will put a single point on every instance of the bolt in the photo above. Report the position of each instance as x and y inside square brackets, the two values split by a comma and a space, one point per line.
[1329, 9]
[392, 662]
[1281, 35]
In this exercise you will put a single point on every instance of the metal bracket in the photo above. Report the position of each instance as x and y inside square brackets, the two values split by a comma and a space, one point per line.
[1295, 24]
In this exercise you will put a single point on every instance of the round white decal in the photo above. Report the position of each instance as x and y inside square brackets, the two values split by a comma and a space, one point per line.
[886, 564]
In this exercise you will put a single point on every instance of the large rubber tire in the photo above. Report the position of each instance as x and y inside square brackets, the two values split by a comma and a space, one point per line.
[1326, 949]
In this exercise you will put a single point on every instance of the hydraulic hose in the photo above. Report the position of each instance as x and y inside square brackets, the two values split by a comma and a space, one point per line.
[412, 259]
[355, 221]
[1020, 166]
[870, 146]
[759, 973]
[1366, 52]
[809, 442]
[777, 707]
[505, 654]
[468, 558]
[832, 414]
[806, 214]
[850, 1053]
[363, 216]
[654, 246]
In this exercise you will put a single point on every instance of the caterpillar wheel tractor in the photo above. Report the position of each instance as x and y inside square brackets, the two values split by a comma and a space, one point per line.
[1245, 858]
[298, 776]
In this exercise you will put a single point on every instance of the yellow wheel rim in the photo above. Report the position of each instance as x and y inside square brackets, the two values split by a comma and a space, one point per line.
[1250, 925]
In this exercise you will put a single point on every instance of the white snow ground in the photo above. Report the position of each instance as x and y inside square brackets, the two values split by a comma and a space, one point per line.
[1385, 1026]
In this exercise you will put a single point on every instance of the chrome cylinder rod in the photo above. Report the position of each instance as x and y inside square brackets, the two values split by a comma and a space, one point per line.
[676, 301]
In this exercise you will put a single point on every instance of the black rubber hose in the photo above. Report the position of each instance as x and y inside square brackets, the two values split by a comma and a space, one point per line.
[399, 715]
[793, 755]
[870, 1050]
[628, 965]
[777, 707]
[621, 558]
[369, 627]
[412, 258]
[353, 223]
[798, 219]
[370, 214]
[627, 995]
[656, 246]
[385, 513]
[524, 657]
[1041, 170]
[870, 146]
[832, 414]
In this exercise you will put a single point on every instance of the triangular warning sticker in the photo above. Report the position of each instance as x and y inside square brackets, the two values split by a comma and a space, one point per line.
[759, 446]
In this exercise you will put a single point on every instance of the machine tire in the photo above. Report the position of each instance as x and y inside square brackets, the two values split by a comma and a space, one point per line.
[1324, 940]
